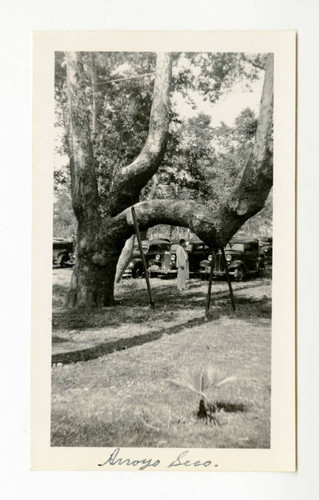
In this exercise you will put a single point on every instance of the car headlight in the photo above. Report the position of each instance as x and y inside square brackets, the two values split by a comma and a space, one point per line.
[210, 258]
[173, 257]
[228, 258]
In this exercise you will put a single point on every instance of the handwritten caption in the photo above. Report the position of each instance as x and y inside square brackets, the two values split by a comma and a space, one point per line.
[145, 463]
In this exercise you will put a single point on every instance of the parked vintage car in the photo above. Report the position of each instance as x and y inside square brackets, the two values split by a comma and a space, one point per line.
[243, 257]
[197, 251]
[62, 253]
[156, 253]
[266, 246]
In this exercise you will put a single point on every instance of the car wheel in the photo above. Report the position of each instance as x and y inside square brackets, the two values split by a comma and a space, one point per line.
[239, 274]
[138, 272]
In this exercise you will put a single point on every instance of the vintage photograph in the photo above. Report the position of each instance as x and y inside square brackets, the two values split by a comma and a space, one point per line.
[162, 249]
[168, 185]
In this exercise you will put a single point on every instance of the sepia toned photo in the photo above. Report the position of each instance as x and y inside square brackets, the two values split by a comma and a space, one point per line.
[169, 191]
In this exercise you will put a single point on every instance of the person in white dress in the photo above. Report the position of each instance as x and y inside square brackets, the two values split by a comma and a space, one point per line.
[182, 265]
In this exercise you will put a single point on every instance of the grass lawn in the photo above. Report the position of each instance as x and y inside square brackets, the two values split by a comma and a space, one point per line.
[113, 369]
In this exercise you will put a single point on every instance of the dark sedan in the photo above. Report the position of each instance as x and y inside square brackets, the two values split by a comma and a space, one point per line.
[156, 253]
[243, 258]
[197, 251]
[266, 246]
[62, 254]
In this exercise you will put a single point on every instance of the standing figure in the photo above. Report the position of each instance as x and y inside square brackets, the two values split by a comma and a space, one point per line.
[182, 265]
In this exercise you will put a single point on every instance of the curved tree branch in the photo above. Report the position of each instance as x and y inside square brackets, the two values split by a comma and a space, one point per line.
[248, 198]
[131, 179]
[187, 213]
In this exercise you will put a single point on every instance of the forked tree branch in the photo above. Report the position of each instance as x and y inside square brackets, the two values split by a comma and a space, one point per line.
[248, 198]
[129, 181]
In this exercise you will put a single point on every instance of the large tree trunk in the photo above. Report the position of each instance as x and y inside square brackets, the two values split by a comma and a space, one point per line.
[92, 285]
[96, 257]
[99, 243]
[96, 253]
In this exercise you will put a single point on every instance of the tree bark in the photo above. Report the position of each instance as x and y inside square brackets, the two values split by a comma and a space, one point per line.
[94, 97]
[96, 257]
[92, 284]
[84, 189]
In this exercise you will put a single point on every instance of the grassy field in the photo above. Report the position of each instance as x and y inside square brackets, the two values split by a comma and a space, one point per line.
[113, 369]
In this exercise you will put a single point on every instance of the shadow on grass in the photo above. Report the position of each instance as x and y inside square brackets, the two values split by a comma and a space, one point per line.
[133, 308]
[248, 309]
[121, 344]
[231, 407]
[58, 340]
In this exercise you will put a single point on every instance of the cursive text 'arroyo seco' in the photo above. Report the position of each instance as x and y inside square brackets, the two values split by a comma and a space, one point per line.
[144, 463]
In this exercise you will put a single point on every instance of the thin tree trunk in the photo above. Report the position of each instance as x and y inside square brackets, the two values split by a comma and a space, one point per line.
[125, 258]
[127, 252]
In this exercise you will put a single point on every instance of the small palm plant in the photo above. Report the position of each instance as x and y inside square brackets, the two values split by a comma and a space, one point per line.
[199, 380]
